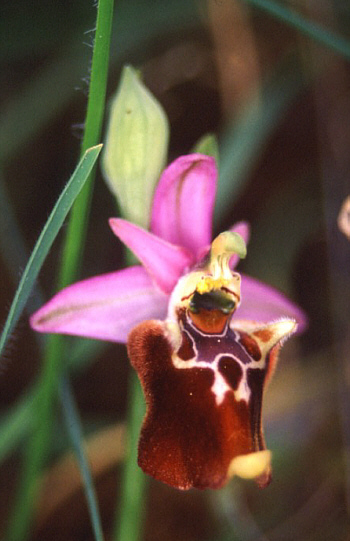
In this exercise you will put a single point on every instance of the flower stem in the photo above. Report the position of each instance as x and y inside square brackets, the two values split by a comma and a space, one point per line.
[131, 508]
[37, 450]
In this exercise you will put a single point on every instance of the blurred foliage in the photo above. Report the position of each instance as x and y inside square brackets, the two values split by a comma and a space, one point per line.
[279, 104]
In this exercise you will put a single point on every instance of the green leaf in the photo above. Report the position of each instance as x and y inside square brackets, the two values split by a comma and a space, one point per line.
[47, 238]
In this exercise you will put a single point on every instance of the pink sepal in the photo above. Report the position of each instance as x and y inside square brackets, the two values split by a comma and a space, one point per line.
[105, 307]
[164, 261]
[263, 303]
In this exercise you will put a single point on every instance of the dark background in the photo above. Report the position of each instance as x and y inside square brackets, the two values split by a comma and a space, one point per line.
[205, 62]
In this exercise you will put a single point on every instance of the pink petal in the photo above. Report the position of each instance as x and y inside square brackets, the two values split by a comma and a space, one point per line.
[163, 261]
[243, 229]
[184, 200]
[263, 303]
[106, 307]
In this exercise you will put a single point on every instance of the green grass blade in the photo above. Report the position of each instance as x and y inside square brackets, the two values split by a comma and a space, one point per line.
[75, 431]
[311, 29]
[46, 239]
[99, 75]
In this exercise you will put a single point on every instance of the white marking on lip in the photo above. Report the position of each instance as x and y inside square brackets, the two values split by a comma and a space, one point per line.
[220, 387]
[243, 391]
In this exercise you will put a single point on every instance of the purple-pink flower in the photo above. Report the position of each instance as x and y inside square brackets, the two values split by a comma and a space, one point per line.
[202, 357]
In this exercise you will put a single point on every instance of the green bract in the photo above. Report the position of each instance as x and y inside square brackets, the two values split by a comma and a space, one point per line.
[136, 147]
[208, 145]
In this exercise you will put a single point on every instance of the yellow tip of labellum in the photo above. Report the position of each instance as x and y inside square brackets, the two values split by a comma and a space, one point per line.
[250, 466]
[207, 284]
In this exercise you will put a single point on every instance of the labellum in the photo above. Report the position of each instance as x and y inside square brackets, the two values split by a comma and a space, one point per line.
[203, 373]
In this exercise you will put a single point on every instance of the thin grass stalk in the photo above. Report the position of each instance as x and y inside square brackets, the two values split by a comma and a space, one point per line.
[37, 449]
[76, 232]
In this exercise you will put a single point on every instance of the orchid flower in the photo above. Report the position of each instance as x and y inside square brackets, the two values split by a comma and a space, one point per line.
[203, 357]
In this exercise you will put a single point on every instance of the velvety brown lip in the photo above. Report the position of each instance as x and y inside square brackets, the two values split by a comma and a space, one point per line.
[194, 428]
